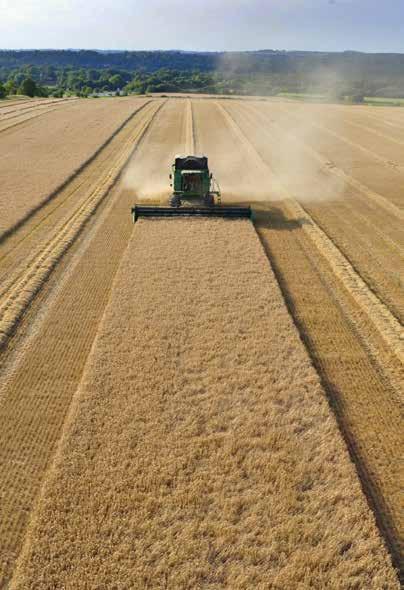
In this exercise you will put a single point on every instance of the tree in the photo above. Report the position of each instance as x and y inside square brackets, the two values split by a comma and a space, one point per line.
[116, 82]
[57, 93]
[10, 86]
[28, 87]
[3, 92]
[86, 91]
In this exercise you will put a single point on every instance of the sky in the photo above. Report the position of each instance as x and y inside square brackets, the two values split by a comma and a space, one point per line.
[200, 25]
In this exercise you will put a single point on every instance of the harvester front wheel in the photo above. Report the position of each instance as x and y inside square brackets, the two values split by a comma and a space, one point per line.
[209, 200]
[175, 201]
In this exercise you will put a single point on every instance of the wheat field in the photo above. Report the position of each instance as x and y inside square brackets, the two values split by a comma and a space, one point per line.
[232, 459]
[200, 403]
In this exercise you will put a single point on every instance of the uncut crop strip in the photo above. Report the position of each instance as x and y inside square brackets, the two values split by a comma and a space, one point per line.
[374, 313]
[22, 289]
[211, 454]
[379, 314]
[377, 254]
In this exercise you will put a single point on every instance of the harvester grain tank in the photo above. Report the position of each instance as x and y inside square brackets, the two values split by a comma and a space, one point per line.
[194, 185]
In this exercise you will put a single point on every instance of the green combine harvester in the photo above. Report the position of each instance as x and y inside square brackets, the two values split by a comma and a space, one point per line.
[195, 193]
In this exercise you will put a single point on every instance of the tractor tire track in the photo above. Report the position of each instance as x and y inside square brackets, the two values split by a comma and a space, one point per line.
[376, 132]
[28, 119]
[9, 106]
[355, 118]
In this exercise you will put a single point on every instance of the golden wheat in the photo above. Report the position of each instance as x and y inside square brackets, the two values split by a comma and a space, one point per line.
[201, 450]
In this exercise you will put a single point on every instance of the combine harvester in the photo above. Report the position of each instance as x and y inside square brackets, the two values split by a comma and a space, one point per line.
[193, 183]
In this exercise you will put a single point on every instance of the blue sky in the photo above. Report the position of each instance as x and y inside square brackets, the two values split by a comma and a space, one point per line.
[329, 25]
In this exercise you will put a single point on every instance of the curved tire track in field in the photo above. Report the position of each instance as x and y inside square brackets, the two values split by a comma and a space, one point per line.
[33, 107]
[381, 317]
[395, 124]
[23, 118]
[8, 105]
[23, 289]
[376, 132]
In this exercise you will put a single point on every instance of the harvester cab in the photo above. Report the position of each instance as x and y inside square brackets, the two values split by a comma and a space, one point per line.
[192, 183]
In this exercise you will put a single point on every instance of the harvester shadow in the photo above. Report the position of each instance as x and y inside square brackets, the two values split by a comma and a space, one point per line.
[272, 217]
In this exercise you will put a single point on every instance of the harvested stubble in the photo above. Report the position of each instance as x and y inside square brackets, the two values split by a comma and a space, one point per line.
[20, 292]
[36, 159]
[366, 227]
[17, 110]
[201, 451]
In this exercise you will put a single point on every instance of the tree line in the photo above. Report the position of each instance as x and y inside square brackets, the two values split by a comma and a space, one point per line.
[58, 81]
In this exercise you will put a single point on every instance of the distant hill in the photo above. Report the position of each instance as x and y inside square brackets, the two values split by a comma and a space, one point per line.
[348, 65]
